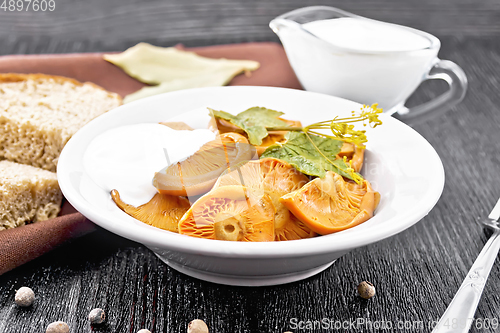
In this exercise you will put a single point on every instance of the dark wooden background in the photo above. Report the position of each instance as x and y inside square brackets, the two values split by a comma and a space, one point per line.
[416, 272]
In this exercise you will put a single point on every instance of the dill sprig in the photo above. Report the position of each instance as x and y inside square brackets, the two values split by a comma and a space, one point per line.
[342, 128]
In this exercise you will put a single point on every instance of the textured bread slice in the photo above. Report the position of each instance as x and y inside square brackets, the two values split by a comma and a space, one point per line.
[39, 114]
[27, 194]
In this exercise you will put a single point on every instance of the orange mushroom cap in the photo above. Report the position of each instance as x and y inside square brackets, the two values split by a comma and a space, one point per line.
[331, 204]
[197, 174]
[233, 213]
[162, 211]
[276, 178]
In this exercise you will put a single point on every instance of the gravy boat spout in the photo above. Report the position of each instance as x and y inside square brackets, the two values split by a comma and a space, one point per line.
[279, 23]
[292, 21]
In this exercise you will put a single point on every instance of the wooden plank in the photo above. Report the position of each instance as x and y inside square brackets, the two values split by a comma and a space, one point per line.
[113, 22]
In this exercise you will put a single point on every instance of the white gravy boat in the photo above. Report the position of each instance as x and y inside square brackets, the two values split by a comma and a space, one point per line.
[324, 47]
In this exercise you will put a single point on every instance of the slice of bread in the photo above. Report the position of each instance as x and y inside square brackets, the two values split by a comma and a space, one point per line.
[39, 114]
[27, 194]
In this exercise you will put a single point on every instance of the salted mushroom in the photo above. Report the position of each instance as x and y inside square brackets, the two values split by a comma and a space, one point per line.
[274, 137]
[162, 211]
[231, 213]
[332, 204]
[276, 178]
[197, 174]
[353, 154]
[223, 126]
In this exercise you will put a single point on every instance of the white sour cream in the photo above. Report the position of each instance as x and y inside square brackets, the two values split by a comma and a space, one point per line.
[126, 158]
[366, 35]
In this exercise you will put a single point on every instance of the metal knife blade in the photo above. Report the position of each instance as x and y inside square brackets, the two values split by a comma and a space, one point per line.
[495, 213]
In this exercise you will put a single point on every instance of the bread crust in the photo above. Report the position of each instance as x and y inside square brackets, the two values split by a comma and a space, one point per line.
[27, 194]
[36, 132]
[19, 77]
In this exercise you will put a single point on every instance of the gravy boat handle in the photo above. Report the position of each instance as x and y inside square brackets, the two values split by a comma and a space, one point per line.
[457, 82]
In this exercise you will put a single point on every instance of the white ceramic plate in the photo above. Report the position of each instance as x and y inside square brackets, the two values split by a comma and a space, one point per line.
[393, 164]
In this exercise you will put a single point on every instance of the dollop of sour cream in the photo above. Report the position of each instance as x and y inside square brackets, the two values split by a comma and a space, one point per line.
[126, 158]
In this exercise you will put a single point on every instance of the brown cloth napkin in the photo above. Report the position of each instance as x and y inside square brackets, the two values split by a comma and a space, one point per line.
[22, 244]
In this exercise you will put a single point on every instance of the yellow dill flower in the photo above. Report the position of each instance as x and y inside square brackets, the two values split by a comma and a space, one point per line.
[350, 171]
[371, 114]
[347, 133]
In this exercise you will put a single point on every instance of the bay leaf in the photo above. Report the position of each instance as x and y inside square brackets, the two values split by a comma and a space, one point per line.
[156, 65]
[214, 78]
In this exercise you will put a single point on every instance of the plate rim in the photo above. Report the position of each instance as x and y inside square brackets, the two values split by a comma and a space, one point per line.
[191, 245]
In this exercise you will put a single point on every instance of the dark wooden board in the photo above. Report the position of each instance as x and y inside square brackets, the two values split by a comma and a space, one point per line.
[416, 272]
[101, 26]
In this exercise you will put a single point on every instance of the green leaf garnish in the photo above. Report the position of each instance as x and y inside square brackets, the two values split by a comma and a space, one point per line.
[311, 154]
[253, 121]
[308, 150]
